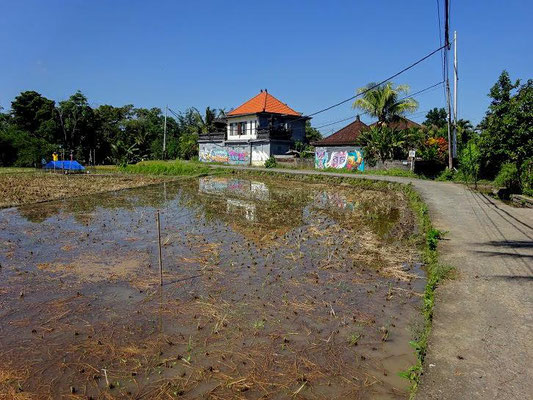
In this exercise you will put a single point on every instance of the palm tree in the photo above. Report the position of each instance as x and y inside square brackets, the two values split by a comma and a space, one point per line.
[381, 142]
[384, 101]
[193, 120]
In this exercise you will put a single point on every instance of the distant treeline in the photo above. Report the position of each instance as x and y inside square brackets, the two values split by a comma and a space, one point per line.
[36, 127]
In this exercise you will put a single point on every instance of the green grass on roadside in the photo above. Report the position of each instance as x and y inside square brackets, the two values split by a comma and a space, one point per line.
[175, 167]
[435, 272]
[383, 172]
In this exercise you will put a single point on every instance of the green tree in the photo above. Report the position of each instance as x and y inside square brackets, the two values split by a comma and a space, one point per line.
[21, 149]
[385, 102]
[465, 132]
[110, 126]
[77, 122]
[34, 113]
[469, 161]
[506, 130]
[311, 134]
[381, 142]
[436, 117]
[188, 145]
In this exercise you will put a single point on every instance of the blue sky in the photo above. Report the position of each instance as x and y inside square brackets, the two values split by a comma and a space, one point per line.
[309, 54]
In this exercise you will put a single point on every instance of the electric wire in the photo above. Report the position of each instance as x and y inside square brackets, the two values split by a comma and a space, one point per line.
[366, 112]
[377, 84]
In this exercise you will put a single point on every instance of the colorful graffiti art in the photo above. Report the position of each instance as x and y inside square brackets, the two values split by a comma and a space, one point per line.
[351, 160]
[338, 159]
[223, 155]
[214, 155]
[238, 157]
[355, 161]
[321, 159]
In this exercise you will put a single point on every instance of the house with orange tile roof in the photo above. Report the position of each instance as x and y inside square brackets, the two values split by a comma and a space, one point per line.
[259, 128]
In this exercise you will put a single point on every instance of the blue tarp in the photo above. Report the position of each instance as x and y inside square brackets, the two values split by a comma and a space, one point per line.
[66, 165]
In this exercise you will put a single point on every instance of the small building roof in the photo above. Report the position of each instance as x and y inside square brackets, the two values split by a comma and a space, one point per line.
[400, 123]
[263, 102]
[345, 136]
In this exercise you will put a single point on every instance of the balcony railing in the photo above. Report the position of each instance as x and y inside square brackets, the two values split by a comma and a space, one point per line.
[274, 133]
[278, 133]
[212, 136]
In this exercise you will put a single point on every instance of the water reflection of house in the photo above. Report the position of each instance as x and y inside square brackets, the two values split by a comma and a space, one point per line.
[332, 200]
[246, 208]
[250, 207]
[261, 127]
[242, 188]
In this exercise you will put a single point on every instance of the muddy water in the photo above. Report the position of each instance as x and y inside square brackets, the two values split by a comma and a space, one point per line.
[272, 289]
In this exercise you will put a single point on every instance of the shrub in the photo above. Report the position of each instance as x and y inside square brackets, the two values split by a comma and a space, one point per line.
[446, 175]
[432, 238]
[508, 177]
[470, 162]
[271, 162]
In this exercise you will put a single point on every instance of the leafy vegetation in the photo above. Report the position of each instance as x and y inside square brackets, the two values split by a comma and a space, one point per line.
[385, 102]
[501, 147]
[506, 133]
[37, 126]
[176, 167]
[271, 162]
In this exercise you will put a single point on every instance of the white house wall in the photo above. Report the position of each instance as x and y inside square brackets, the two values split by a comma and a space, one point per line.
[260, 153]
[250, 128]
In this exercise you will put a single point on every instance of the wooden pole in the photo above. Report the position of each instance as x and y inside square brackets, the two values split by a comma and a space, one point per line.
[159, 244]
[455, 78]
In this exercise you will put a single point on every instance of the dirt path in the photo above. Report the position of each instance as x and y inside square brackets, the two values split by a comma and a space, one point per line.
[480, 345]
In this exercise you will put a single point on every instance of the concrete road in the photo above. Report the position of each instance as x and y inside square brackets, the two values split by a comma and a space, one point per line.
[482, 338]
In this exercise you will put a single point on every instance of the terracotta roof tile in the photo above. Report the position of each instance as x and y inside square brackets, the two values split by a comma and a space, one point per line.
[345, 136]
[401, 123]
[263, 102]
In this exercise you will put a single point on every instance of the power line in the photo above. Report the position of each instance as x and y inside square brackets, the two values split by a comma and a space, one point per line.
[366, 112]
[378, 84]
[335, 122]
[423, 90]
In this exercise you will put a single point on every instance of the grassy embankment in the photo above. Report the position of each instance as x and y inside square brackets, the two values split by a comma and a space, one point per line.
[174, 168]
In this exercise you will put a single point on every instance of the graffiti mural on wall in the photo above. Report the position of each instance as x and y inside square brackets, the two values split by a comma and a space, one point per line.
[224, 155]
[351, 160]
[355, 161]
[238, 157]
[213, 155]
[321, 158]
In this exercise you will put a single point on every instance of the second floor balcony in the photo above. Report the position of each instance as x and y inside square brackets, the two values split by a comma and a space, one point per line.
[267, 133]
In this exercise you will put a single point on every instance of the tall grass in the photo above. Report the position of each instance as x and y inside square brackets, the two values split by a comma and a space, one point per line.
[435, 272]
[175, 167]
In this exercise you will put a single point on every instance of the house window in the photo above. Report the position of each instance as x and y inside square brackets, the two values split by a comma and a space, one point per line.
[241, 128]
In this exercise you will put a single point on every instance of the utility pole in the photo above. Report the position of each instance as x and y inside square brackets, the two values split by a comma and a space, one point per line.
[165, 134]
[446, 66]
[455, 79]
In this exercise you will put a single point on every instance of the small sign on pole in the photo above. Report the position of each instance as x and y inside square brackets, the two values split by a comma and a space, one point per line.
[412, 155]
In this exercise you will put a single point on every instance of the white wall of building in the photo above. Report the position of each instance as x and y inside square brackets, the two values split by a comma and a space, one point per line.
[251, 127]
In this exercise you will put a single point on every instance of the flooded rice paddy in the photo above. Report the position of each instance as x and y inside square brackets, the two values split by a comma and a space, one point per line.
[272, 289]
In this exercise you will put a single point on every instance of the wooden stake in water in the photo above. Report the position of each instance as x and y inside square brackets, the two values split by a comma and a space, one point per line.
[159, 244]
